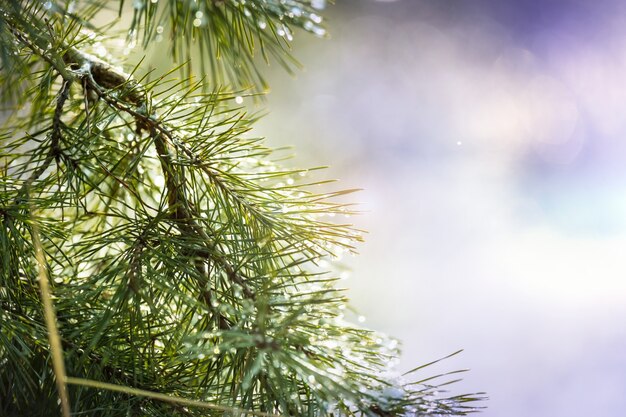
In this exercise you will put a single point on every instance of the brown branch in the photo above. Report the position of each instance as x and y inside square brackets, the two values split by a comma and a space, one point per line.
[103, 75]
[55, 138]
[178, 203]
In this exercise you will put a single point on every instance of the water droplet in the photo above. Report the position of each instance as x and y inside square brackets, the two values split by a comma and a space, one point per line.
[459, 143]
[319, 31]
[100, 50]
[159, 29]
[361, 319]
[138, 4]
[159, 181]
[312, 27]
[296, 11]
[315, 18]
[262, 25]
[318, 4]
[238, 99]
[197, 22]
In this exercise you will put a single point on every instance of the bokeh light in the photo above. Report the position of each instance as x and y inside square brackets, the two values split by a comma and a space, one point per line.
[489, 139]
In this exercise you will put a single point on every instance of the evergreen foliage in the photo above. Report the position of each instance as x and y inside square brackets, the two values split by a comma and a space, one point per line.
[184, 265]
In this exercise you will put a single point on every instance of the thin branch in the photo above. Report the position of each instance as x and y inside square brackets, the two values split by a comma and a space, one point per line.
[21, 36]
[55, 138]
[54, 338]
[164, 397]
[163, 138]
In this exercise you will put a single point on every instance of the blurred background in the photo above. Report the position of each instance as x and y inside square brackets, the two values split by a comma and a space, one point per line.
[489, 139]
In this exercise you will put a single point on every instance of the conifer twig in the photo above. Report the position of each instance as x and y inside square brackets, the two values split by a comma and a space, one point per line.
[163, 138]
[98, 75]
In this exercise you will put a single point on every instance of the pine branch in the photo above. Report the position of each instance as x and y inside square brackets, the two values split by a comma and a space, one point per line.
[183, 262]
[102, 75]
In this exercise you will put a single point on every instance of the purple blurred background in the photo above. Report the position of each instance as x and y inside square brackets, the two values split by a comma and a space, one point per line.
[489, 137]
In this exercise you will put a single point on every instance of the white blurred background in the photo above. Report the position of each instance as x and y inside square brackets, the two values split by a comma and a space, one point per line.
[489, 138]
